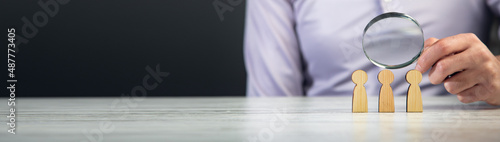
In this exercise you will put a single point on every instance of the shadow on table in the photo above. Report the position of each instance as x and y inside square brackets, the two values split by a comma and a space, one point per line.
[461, 106]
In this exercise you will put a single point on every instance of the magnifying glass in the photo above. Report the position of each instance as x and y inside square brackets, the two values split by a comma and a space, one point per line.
[393, 40]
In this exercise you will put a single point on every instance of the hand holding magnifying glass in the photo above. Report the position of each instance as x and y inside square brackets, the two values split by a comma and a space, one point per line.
[395, 40]
[476, 70]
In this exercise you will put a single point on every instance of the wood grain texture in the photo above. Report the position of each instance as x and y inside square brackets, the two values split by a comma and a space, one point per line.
[359, 101]
[240, 119]
[386, 97]
[414, 96]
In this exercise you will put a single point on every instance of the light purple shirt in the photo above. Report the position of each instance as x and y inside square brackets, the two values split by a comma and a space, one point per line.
[311, 47]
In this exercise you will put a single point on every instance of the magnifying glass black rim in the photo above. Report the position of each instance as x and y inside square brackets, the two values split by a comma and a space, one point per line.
[393, 15]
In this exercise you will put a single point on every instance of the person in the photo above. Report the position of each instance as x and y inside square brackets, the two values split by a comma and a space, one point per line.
[311, 47]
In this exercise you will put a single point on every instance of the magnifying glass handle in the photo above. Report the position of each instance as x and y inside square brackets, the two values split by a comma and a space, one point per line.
[451, 75]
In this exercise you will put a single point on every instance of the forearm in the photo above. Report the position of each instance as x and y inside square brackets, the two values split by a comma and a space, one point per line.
[271, 49]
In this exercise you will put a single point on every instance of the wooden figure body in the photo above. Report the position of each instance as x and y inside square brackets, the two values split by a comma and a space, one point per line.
[359, 98]
[386, 97]
[414, 96]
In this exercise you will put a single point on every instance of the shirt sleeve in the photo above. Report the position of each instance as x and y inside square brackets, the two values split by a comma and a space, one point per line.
[271, 49]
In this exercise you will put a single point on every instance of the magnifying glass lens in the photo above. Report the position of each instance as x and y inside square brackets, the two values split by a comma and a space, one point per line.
[393, 40]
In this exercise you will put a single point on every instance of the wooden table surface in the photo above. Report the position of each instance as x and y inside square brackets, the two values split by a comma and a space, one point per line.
[246, 119]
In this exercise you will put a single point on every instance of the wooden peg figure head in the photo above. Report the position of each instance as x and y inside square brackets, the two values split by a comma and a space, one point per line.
[359, 77]
[414, 77]
[385, 77]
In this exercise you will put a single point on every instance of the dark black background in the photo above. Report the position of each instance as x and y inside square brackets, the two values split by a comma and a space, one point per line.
[101, 48]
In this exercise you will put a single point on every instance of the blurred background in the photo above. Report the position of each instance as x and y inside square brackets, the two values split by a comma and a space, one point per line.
[102, 48]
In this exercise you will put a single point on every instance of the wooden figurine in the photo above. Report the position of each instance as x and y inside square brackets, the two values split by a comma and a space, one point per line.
[359, 98]
[386, 98]
[414, 96]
